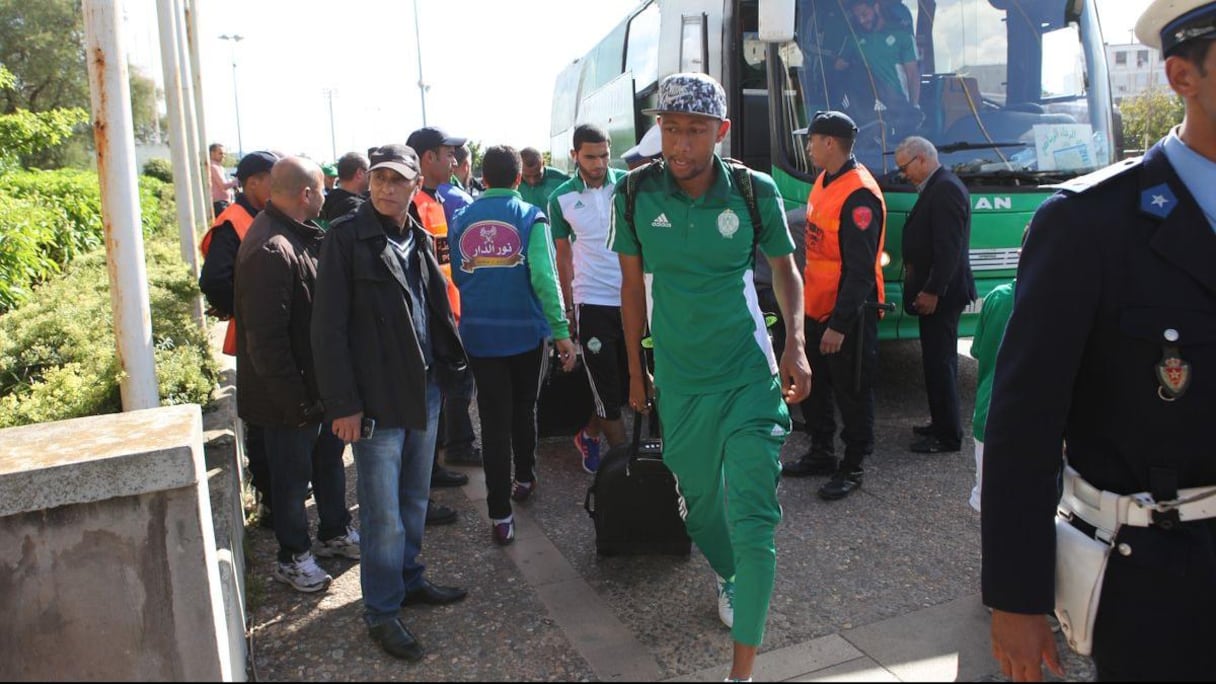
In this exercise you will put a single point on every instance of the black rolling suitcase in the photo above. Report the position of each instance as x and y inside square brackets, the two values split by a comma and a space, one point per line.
[634, 503]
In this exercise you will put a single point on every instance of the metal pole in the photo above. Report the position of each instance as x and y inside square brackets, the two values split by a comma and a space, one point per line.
[240, 148]
[421, 81]
[333, 140]
[198, 182]
[114, 137]
[178, 142]
[192, 40]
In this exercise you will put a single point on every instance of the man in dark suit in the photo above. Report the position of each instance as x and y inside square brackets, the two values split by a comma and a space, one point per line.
[938, 284]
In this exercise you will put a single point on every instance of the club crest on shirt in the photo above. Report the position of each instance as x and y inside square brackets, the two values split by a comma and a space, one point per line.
[863, 217]
[728, 223]
[490, 244]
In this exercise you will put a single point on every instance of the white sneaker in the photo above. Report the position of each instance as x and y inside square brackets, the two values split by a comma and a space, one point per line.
[346, 545]
[303, 574]
[726, 601]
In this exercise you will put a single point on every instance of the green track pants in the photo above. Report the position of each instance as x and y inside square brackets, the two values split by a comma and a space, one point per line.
[724, 449]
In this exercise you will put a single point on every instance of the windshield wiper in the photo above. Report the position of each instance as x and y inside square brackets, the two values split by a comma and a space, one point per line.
[1024, 175]
[960, 146]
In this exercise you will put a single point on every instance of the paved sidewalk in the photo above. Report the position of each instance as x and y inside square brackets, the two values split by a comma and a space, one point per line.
[881, 586]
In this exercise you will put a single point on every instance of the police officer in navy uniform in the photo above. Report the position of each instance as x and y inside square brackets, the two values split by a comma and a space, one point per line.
[1109, 361]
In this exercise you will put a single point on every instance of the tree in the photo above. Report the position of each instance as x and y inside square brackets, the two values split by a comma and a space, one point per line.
[24, 133]
[1149, 116]
[42, 44]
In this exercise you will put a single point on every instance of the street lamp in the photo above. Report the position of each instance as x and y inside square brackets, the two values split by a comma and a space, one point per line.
[240, 148]
[422, 86]
[333, 140]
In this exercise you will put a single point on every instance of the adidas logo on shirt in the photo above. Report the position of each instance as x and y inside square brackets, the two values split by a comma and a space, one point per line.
[579, 204]
[661, 222]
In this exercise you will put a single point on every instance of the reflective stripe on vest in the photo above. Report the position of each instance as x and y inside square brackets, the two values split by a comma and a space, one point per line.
[239, 218]
[823, 261]
[436, 223]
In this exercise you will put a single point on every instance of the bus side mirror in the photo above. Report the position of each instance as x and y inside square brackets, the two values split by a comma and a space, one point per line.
[776, 21]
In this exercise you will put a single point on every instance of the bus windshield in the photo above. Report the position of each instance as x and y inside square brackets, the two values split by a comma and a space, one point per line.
[1008, 90]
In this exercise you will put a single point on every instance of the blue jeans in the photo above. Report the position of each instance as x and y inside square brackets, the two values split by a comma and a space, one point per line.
[394, 469]
[297, 456]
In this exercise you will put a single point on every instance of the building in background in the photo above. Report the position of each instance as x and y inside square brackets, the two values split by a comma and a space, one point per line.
[1134, 69]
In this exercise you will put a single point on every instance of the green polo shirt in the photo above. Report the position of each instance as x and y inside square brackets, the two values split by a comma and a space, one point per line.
[708, 329]
[994, 317]
[884, 51]
[539, 194]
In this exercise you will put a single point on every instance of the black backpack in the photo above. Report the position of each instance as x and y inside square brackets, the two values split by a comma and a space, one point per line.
[738, 171]
[634, 501]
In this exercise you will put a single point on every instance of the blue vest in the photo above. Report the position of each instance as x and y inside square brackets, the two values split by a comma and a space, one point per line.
[500, 313]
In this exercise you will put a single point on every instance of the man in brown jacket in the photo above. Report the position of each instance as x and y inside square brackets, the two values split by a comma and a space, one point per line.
[276, 270]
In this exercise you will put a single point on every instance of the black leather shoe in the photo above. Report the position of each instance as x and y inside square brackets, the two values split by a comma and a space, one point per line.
[396, 640]
[841, 485]
[925, 430]
[433, 595]
[438, 514]
[933, 445]
[813, 463]
[463, 456]
[442, 477]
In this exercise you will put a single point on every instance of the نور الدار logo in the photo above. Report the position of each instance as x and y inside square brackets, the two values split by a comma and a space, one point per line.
[728, 223]
[490, 244]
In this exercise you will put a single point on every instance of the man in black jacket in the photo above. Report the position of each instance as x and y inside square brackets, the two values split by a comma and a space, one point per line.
[938, 284]
[349, 193]
[276, 385]
[385, 341]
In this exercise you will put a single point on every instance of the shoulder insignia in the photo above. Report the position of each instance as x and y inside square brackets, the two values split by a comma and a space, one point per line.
[1158, 201]
[1092, 180]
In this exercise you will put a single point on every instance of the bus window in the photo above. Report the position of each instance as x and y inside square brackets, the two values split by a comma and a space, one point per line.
[692, 44]
[642, 50]
[988, 81]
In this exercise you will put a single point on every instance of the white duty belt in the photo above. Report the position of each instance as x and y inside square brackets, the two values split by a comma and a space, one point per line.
[1108, 511]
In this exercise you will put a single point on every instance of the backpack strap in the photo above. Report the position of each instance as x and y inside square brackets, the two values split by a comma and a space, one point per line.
[632, 179]
[742, 177]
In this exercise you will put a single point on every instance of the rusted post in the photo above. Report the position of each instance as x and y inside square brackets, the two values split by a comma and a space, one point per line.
[199, 190]
[114, 137]
[178, 146]
[197, 78]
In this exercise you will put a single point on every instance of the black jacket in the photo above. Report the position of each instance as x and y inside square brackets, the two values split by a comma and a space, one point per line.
[367, 352]
[1114, 265]
[276, 270]
[215, 277]
[339, 203]
[935, 244]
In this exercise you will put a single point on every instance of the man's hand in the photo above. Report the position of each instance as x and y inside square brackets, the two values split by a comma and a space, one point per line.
[925, 304]
[831, 342]
[795, 373]
[641, 393]
[1021, 643]
[349, 428]
[566, 354]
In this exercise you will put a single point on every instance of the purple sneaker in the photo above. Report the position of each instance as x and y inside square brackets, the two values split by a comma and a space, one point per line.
[589, 447]
[503, 532]
[520, 491]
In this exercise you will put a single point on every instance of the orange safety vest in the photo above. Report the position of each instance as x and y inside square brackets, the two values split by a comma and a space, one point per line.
[436, 223]
[241, 219]
[823, 261]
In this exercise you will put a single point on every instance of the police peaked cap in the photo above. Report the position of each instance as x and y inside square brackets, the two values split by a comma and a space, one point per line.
[1167, 24]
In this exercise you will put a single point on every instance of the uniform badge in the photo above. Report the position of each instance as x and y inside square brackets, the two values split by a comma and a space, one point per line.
[1158, 201]
[890, 40]
[863, 217]
[728, 223]
[1173, 374]
[594, 345]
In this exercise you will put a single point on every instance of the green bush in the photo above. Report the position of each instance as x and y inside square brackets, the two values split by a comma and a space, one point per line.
[49, 218]
[57, 350]
[160, 169]
[57, 353]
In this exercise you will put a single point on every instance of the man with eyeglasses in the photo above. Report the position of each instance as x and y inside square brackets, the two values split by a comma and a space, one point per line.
[938, 284]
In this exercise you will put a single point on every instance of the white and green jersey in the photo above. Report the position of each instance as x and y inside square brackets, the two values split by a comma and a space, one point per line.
[582, 215]
[708, 330]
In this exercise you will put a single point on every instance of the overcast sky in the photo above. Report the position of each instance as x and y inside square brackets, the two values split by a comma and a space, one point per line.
[490, 65]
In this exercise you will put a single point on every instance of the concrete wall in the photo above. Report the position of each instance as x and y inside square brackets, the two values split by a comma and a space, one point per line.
[108, 563]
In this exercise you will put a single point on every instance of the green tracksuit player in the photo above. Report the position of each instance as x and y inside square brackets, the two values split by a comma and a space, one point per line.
[686, 258]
